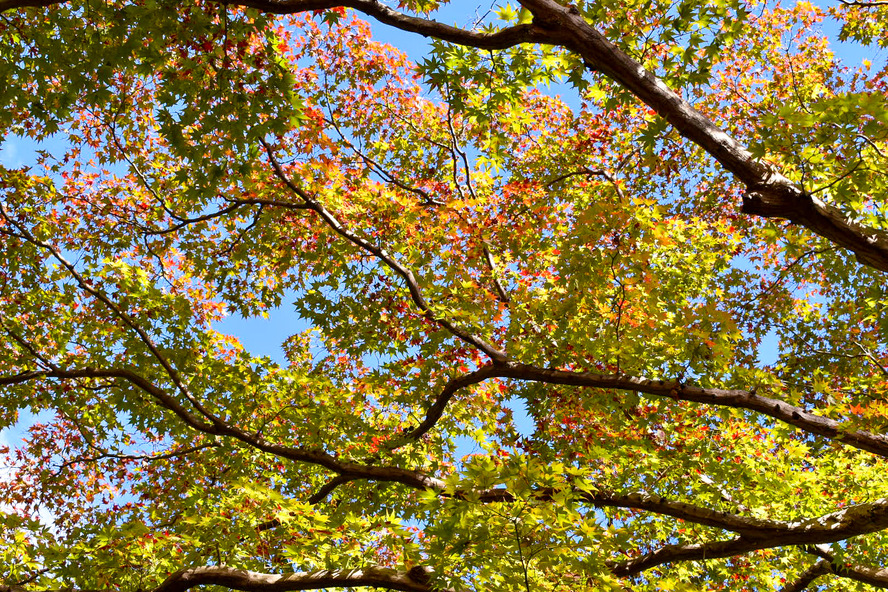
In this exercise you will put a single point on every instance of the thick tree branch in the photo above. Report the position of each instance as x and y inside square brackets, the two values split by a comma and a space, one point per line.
[737, 399]
[248, 581]
[742, 525]
[861, 4]
[501, 39]
[414, 580]
[805, 579]
[436, 410]
[14, 4]
[873, 576]
[746, 527]
[830, 528]
[414, 479]
[769, 194]
[754, 533]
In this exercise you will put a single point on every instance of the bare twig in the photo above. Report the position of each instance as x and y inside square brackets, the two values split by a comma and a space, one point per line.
[872, 358]
[379, 169]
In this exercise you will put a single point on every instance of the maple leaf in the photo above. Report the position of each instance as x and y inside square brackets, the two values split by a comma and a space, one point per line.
[629, 334]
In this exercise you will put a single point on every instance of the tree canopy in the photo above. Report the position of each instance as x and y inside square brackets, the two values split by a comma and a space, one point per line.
[677, 271]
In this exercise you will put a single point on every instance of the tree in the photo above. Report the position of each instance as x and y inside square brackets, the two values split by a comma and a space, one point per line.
[460, 245]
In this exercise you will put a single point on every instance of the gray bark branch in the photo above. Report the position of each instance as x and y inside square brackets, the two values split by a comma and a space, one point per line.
[414, 580]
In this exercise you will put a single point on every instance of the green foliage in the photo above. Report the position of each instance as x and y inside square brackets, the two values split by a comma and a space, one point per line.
[536, 342]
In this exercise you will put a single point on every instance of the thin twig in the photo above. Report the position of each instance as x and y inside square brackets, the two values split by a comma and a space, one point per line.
[381, 254]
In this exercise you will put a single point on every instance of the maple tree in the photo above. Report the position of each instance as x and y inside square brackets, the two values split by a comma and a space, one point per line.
[460, 244]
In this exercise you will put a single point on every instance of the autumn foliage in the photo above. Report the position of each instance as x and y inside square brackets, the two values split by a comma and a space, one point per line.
[656, 231]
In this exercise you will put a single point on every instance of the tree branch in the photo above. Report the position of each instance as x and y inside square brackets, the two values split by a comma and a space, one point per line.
[117, 311]
[500, 39]
[414, 479]
[436, 410]
[870, 4]
[134, 457]
[381, 254]
[820, 568]
[316, 498]
[877, 577]
[737, 399]
[250, 581]
[806, 421]
[587, 172]
[374, 166]
[829, 528]
[770, 194]
[14, 4]
[754, 533]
